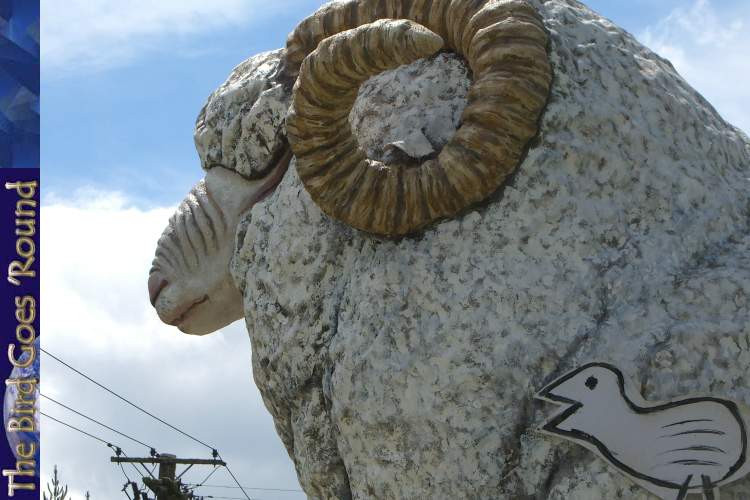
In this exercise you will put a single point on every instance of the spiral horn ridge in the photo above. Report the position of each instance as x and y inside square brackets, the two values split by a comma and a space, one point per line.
[331, 53]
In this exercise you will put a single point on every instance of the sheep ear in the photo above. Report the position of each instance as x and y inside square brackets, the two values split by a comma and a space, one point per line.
[228, 189]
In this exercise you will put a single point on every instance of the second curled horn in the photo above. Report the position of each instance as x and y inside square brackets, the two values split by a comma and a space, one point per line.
[339, 47]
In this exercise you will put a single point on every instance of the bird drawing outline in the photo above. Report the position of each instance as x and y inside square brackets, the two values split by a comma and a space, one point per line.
[692, 445]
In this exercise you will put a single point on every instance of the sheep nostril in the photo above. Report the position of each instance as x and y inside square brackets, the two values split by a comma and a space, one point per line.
[156, 283]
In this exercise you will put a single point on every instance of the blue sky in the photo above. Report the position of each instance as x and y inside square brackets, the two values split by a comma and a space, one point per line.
[122, 83]
[122, 119]
[119, 105]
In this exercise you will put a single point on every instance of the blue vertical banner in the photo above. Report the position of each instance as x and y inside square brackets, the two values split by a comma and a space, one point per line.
[19, 248]
[19, 313]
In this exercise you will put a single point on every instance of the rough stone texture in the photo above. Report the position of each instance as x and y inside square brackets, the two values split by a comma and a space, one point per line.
[416, 109]
[241, 125]
[406, 369]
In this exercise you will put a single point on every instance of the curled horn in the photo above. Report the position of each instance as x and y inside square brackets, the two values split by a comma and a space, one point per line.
[339, 47]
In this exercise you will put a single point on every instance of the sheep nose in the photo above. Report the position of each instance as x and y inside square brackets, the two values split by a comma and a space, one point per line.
[156, 283]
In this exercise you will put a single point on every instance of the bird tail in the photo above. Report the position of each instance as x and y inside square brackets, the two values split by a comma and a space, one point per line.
[745, 468]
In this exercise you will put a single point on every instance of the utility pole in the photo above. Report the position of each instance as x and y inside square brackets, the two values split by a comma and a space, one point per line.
[136, 492]
[166, 486]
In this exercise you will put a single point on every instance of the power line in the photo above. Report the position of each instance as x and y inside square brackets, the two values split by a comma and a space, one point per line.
[246, 487]
[229, 498]
[149, 472]
[198, 485]
[126, 474]
[97, 422]
[212, 448]
[110, 445]
[119, 452]
[125, 487]
[117, 449]
[226, 465]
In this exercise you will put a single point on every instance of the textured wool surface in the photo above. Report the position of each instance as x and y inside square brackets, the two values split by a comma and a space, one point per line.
[406, 369]
[242, 124]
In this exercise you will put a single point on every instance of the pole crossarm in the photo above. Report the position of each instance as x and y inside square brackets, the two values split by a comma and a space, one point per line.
[168, 460]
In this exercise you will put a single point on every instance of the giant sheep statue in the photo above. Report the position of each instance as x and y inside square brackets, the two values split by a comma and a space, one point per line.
[328, 56]
[425, 210]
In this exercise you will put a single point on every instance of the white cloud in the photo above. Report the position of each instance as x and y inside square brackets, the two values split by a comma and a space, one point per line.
[97, 249]
[708, 46]
[94, 34]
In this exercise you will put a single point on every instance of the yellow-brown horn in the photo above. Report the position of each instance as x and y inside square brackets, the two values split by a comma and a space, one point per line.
[345, 43]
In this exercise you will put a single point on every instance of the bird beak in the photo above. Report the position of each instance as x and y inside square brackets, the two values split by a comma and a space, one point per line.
[548, 393]
[559, 422]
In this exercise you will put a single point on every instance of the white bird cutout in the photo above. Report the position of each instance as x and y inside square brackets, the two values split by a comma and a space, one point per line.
[687, 446]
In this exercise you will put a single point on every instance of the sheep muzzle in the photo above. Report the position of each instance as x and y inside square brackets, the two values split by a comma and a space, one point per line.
[189, 284]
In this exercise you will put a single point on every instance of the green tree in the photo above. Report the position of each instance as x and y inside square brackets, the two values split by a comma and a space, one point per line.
[56, 491]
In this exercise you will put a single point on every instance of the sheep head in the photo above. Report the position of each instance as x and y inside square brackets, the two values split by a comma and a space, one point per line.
[327, 58]
[189, 284]
[240, 140]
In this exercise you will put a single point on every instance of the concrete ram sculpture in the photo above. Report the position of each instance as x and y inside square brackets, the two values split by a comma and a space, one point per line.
[407, 297]
[328, 56]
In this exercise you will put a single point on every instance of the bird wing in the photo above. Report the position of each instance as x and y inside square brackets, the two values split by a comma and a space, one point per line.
[698, 438]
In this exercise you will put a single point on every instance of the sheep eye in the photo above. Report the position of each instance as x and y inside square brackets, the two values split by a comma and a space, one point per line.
[592, 382]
